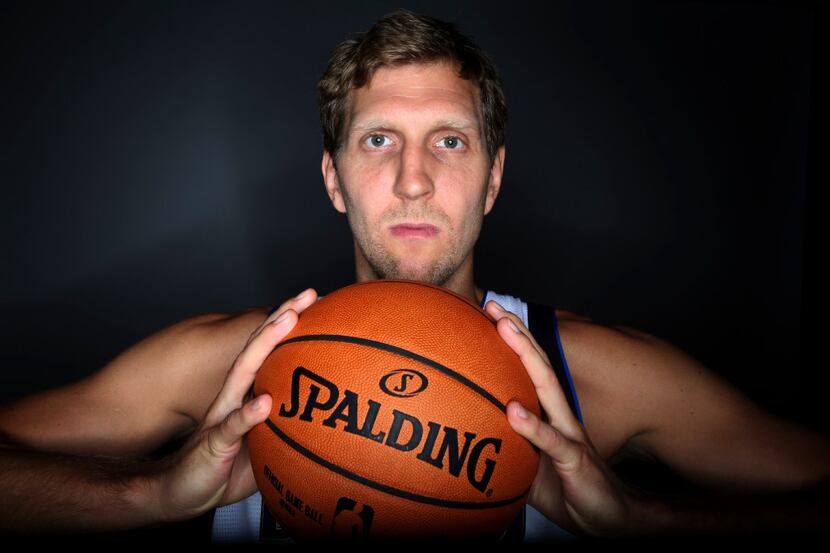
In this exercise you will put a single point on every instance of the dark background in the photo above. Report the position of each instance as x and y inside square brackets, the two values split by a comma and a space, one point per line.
[161, 160]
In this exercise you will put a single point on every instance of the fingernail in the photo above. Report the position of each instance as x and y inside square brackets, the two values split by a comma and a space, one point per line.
[515, 328]
[499, 308]
[281, 318]
[521, 411]
[301, 294]
[257, 403]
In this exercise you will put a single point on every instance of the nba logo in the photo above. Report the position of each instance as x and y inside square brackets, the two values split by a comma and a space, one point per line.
[351, 521]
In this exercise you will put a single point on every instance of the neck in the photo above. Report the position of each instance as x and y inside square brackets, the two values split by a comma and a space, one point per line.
[461, 282]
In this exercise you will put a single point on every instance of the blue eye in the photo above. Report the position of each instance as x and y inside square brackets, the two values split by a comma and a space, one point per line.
[376, 140]
[452, 142]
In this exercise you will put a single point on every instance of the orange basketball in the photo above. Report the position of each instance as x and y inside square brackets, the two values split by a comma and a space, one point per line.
[388, 418]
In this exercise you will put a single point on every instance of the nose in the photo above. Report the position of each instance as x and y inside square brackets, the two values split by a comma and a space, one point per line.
[414, 180]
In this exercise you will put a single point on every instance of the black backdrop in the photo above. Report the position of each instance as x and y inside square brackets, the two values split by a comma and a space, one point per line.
[161, 160]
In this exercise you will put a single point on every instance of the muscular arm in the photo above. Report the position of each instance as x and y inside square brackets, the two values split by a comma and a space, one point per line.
[77, 457]
[128, 408]
[52, 492]
[760, 471]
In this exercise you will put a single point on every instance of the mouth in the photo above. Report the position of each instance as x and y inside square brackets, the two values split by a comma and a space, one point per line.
[408, 230]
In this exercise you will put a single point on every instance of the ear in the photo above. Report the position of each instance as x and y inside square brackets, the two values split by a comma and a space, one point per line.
[494, 181]
[332, 182]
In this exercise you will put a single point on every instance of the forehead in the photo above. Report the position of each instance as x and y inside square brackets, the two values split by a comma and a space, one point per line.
[433, 89]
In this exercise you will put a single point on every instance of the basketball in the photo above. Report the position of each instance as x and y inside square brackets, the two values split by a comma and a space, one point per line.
[389, 419]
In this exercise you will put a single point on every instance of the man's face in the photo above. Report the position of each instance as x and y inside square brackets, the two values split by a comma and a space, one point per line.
[414, 152]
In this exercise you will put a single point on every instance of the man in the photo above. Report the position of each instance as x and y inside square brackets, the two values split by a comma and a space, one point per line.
[413, 117]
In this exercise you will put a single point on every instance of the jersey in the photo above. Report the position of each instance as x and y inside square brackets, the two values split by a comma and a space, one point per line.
[248, 521]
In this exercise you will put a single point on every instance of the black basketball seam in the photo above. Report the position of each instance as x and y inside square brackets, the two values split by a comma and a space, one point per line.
[403, 494]
[402, 352]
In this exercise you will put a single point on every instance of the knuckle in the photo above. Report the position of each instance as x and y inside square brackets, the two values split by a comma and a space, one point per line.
[230, 420]
[218, 441]
[284, 306]
[237, 364]
[552, 437]
[577, 457]
[274, 314]
[286, 313]
[549, 379]
[521, 334]
[278, 329]
[583, 456]
[211, 442]
[517, 321]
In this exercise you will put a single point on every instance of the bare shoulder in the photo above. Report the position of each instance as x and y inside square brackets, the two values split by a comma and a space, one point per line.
[623, 377]
[641, 394]
[154, 391]
[211, 346]
[607, 365]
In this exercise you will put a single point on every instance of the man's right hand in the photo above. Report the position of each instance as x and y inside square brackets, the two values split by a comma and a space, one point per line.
[213, 467]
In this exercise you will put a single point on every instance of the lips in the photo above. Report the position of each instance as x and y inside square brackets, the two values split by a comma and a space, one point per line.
[408, 230]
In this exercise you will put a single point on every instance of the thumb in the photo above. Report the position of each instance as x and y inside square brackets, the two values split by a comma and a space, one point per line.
[225, 439]
[593, 499]
[202, 474]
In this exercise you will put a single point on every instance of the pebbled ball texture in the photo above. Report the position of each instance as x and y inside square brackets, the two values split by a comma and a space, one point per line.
[388, 419]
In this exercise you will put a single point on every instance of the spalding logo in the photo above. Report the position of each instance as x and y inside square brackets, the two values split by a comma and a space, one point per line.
[403, 433]
[403, 383]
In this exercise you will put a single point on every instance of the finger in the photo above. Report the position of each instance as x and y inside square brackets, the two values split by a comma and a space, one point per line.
[551, 396]
[241, 376]
[224, 440]
[298, 303]
[238, 384]
[568, 455]
[499, 312]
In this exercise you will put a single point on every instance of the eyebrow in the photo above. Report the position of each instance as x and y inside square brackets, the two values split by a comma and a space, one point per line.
[381, 124]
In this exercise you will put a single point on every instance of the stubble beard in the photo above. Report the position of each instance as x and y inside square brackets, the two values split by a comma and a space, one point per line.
[385, 265]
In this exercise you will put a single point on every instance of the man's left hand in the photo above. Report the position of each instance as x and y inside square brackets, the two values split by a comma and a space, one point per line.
[573, 486]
